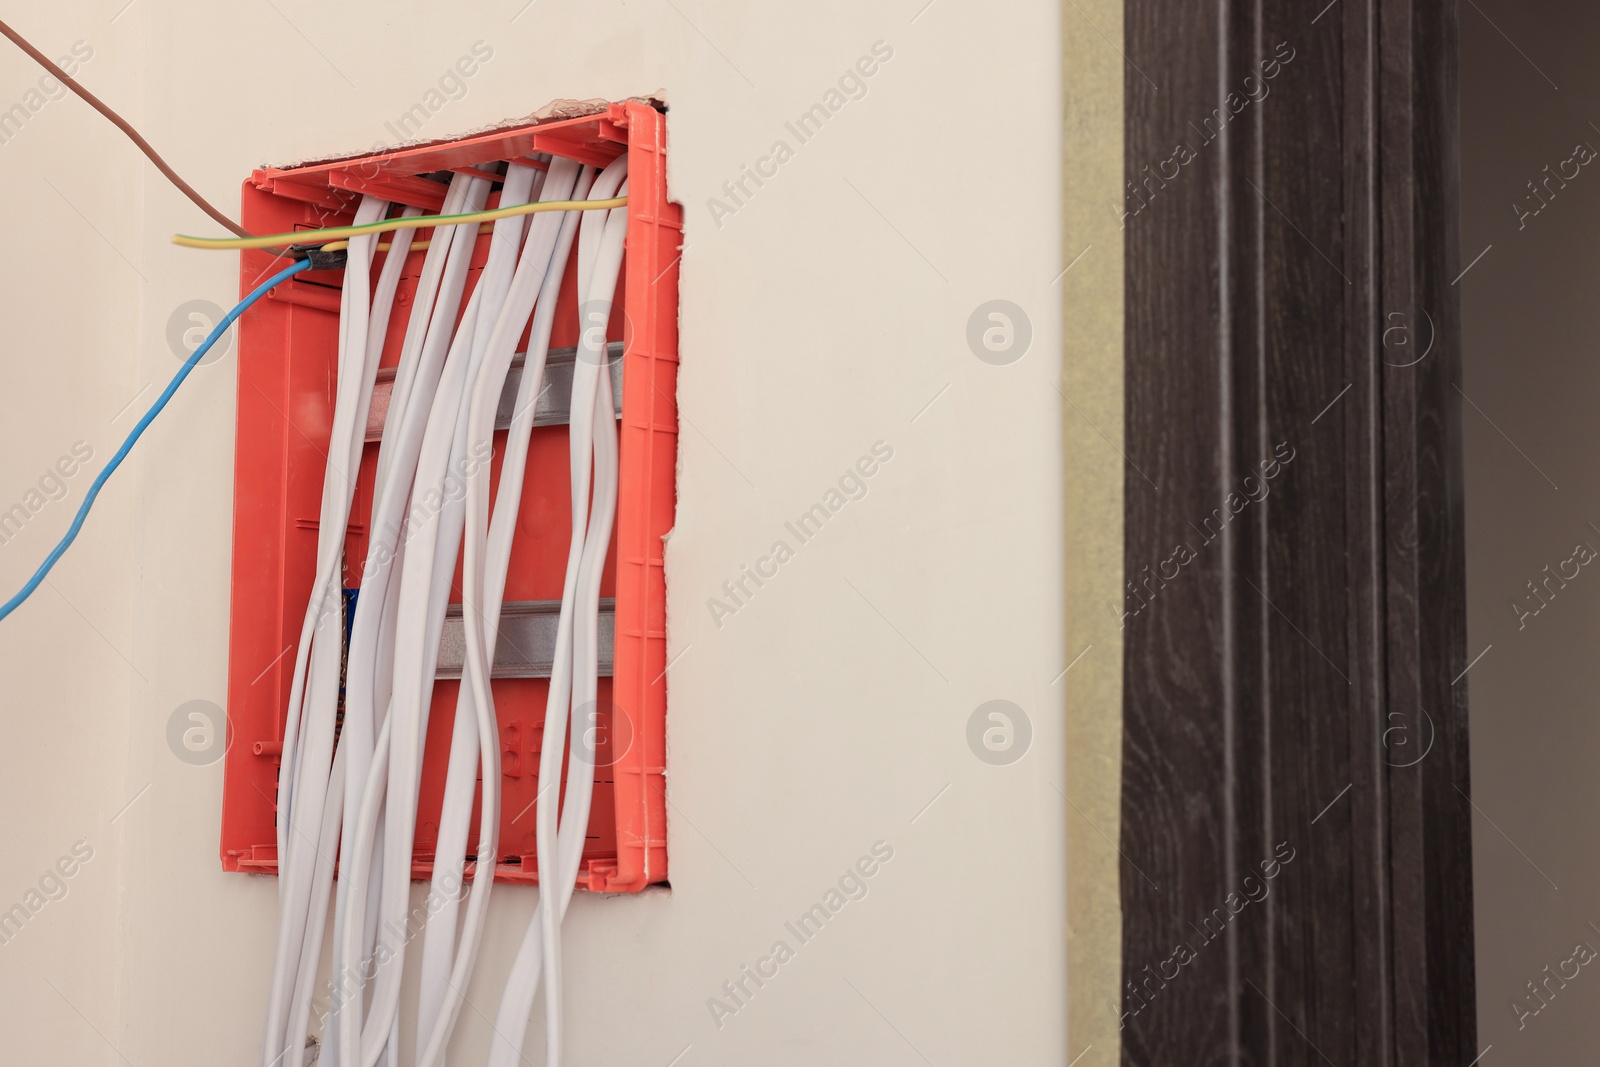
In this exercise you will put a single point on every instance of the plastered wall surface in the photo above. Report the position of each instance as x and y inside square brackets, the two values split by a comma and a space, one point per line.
[825, 311]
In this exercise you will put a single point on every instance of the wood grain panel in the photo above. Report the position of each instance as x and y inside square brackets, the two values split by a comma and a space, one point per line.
[1298, 889]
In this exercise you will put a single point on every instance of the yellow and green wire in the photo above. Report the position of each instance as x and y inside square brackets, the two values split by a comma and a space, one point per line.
[336, 237]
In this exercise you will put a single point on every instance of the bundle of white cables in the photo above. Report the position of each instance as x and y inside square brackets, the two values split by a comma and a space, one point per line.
[350, 790]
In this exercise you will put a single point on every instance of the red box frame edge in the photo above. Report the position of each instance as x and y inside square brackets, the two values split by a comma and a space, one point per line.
[646, 506]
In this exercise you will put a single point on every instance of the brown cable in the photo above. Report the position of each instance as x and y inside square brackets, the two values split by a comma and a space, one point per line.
[133, 135]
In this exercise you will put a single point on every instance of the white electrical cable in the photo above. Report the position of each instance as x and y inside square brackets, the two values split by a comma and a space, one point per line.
[396, 764]
[574, 822]
[355, 735]
[364, 1043]
[494, 284]
[423, 601]
[328, 839]
[371, 641]
[358, 798]
[600, 253]
[370, 658]
[475, 740]
[307, 754]
[424, 598]
[496, 279]
[428, 334]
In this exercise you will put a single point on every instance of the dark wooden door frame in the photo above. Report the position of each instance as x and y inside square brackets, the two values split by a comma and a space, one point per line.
[1295, 816]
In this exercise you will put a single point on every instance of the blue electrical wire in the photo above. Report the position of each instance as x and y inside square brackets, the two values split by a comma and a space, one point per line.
[138, 430]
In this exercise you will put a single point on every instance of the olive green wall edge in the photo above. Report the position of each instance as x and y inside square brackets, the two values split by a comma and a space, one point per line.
[1092, 377]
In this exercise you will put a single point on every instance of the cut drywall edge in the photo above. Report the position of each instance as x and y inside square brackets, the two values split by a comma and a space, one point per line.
[556, 111]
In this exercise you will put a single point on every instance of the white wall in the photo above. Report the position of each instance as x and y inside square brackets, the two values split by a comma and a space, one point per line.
[823, 316]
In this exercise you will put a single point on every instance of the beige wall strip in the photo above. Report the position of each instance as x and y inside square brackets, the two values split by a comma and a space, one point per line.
[1092, 376]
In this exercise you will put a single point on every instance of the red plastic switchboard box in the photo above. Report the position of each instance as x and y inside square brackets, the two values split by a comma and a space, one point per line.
[287, 354]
